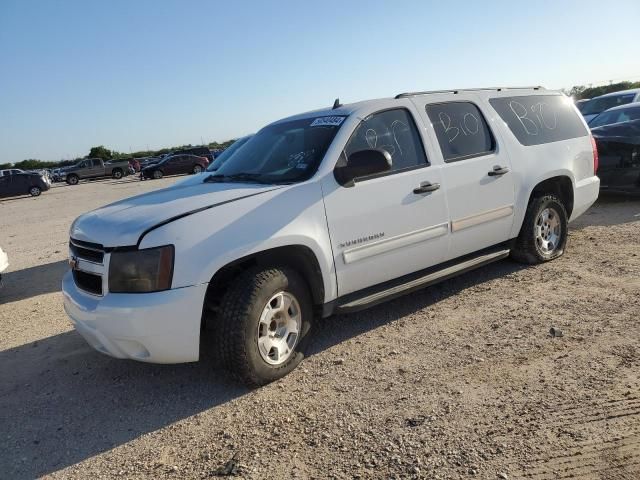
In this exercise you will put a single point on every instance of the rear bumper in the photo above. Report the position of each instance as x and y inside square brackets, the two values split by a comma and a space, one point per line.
[161, 327]
[585, 194]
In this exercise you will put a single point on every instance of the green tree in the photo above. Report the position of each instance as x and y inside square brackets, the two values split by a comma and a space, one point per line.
[101, 152]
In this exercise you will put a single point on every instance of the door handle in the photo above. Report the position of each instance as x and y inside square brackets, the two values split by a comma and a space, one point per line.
[498, 170]
[426, 187]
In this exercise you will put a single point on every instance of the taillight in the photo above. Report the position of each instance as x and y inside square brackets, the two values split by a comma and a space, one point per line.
[595, 155]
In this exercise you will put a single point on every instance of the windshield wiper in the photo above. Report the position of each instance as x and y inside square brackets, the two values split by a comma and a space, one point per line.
[237, 177]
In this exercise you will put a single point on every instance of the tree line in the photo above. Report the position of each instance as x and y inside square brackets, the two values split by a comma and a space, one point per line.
[580, 92]
[105, 154]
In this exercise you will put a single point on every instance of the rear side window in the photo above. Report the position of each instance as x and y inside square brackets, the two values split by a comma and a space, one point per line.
[393, 131]
[461, 130]
[538, 119]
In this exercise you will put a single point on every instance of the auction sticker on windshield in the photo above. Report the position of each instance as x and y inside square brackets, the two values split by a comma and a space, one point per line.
[327, 121]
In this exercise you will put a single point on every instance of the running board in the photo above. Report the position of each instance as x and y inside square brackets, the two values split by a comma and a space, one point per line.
[422, 281]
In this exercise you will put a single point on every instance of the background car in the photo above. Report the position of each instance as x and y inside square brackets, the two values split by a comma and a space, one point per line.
[604, 102]
[623, 113]
[175, 165]
[23, 184]
[619, 156]
[10, 171]
[198, 151]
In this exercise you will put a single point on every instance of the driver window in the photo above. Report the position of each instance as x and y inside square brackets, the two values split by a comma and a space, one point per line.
[393, 131]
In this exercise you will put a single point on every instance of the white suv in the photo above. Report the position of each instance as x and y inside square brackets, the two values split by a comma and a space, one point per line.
[326, 212]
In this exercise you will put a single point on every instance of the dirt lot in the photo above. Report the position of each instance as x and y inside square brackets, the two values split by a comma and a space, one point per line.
[461, 380]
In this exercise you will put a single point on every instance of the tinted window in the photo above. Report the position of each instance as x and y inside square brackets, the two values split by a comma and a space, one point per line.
[597, 105]
[461, 130]
[394, 131]
[616, 116]
[538, 119]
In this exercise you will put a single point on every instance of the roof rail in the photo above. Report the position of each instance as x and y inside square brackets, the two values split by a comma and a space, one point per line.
[455, 91]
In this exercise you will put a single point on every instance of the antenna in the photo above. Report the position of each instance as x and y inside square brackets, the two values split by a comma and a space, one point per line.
[336, 104]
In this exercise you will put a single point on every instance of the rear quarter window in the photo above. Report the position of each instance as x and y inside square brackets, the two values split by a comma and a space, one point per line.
[538, 119]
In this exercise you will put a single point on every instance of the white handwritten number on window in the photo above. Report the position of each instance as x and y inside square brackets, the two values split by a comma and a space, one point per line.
[469, 125]
[539, 119]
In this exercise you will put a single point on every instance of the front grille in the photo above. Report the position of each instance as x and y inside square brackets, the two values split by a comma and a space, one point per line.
[88, 276]
[88, 282]
[80, 250]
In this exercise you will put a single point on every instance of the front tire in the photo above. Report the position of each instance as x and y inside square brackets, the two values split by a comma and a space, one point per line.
[35, 191]
[544, 233]
[265, 319]
[117, 174]
[72, 179]
[157, 174]
[197, 169]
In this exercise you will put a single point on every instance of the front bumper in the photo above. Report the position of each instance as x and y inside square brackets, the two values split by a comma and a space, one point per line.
[160, 327]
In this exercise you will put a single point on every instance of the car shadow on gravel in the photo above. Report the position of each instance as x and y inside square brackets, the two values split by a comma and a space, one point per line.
[33, 281]
[610, 209]
[61, 402]
[339, 328]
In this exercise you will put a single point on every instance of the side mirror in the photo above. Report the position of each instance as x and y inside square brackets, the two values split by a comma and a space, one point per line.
[361, 164]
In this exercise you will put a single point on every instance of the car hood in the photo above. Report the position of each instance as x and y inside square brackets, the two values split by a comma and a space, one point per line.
[123, 223]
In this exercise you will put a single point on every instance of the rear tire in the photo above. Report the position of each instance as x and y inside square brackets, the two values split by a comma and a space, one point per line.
[157, 174]
[264, 324]
[117, 174]
[35, 191]
[544, 232]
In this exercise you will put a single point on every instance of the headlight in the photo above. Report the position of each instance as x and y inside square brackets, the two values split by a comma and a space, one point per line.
[139, 271]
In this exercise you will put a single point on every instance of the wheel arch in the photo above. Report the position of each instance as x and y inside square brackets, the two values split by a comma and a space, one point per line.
[560, 186]
[300, 258]
[558, 183]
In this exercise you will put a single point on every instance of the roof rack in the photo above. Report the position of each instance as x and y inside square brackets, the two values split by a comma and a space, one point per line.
[455, 91]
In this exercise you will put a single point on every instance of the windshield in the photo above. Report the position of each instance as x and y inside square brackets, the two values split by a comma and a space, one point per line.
[598, 105]
[582, 105]
[282, 153]
[616, 116]
[224, 156]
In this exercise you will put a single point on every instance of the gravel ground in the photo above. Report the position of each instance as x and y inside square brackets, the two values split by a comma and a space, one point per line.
[462, 380]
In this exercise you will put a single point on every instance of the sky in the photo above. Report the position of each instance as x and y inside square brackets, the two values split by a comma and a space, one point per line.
[140, 74]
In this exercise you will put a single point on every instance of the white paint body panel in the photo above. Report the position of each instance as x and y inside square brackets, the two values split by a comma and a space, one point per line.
[4, 261]
[372, 232]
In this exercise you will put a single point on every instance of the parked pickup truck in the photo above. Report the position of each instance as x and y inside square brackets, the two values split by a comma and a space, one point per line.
[326, 212]
[95, 168]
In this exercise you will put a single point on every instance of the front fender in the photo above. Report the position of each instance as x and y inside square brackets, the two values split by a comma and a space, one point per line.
[207, 241]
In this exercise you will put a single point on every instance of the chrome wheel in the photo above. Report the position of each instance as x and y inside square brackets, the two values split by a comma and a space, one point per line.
[34, 191]
[279, 328]
[548, 231]
[197, 169]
